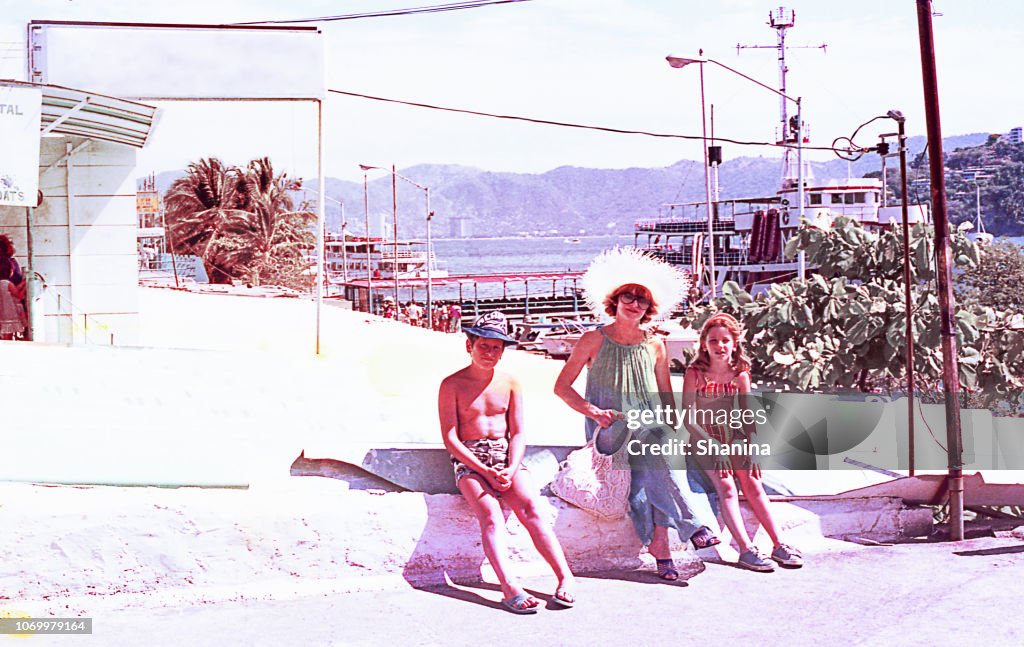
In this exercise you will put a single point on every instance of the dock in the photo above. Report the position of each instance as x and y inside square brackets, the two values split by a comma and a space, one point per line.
[524, 294]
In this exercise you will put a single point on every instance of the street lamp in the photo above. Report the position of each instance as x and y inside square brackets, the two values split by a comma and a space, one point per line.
[683, 61]
[426, 190]
[394, 219]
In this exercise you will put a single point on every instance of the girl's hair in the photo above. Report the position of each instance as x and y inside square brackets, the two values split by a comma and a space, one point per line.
[738, 361]
[611, 302]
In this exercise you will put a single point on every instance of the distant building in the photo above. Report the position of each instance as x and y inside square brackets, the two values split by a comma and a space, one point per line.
[457, 227]
[1015, 135]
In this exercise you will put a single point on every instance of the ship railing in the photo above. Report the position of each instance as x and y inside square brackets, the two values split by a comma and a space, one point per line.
[684, 256]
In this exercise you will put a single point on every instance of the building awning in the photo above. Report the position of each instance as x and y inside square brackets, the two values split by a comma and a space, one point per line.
[67, 111]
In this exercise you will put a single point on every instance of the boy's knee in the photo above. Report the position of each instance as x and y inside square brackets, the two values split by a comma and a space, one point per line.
[490, 521]
[530, 512]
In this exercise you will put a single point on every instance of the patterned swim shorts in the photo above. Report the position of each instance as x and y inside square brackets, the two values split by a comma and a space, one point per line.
[492, 452]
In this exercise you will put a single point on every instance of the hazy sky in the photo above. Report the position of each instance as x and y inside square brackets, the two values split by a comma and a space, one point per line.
[597, 62]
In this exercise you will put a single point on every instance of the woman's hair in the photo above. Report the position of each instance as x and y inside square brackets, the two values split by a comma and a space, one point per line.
[6, 246]
[738, 361]
[611, 302]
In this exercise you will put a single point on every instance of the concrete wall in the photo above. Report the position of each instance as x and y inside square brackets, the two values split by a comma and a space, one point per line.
[84, 242]
[312, 535]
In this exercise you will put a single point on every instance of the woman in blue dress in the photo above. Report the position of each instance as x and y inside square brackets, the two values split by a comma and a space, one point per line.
[628, 370]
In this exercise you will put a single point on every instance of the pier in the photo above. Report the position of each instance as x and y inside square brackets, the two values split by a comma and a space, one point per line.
[553, 294]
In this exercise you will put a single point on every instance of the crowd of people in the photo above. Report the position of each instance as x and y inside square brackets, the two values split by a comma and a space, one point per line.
[447, 317]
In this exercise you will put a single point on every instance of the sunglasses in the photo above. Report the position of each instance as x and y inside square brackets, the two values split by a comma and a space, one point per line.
[629, 298]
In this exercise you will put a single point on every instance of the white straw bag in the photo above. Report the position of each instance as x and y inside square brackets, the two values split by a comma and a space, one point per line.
[594, 482]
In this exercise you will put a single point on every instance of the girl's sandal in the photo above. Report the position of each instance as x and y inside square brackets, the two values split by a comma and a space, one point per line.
[667, 570]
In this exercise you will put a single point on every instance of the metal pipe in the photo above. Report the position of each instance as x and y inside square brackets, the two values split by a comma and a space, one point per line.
[369, 272]
[800, 174]
[707, 188]
[950, 365]
[430, 262]
[907, 296]
[394, 217]
[30, 274]
[320, 217]
[344, 249]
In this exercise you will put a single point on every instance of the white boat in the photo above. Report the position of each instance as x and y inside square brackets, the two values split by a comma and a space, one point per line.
[749, 235]
[680, 343]
[356, 257]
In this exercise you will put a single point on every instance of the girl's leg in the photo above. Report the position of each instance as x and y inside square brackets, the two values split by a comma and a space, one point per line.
[492, 533]
[754, 493]
[729, 501]
[522, 498]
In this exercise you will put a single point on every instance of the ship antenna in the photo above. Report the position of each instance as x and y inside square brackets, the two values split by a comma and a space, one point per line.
[780, 20]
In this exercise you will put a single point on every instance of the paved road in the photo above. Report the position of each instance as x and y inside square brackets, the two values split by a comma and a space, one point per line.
[910, 594]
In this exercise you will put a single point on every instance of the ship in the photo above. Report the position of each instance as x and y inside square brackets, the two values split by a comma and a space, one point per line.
[743, 239]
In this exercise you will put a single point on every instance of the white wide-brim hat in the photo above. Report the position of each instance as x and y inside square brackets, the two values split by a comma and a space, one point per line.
[625, 265]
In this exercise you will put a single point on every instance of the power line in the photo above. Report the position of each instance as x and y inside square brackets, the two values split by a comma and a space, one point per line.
[454, 6]
[564, 124]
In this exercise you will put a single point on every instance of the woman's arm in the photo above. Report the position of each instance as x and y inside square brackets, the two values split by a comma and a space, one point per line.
[583, 354]
[18, 290]
[661, 373]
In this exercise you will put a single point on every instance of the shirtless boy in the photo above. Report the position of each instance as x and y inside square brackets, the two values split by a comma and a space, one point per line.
[481, 415]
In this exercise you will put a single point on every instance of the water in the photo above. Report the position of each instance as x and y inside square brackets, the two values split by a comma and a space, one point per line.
[501, 255]
[506, 255]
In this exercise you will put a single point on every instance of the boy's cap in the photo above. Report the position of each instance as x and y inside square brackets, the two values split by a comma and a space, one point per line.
[491, 326]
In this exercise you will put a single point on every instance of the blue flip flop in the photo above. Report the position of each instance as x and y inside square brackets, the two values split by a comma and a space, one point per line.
[515, 605]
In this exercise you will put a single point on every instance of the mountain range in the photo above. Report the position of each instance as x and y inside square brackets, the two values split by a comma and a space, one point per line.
[565, 201]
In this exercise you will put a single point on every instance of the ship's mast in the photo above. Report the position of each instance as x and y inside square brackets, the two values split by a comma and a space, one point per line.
[780, 20]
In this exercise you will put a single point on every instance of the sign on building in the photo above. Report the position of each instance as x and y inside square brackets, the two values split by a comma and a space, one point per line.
[20, 114]
[147, 203]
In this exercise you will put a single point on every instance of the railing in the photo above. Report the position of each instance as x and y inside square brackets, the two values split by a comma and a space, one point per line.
[83, 324]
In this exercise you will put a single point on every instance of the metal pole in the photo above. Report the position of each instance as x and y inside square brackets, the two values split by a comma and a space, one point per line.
[908, 301]
[320, 216]
[369, 271]
[800, 176]
[344, 249]
[430, 263]
[950, 365]
[885, 184]
[707, 188]
[30, 274]
[394, 217]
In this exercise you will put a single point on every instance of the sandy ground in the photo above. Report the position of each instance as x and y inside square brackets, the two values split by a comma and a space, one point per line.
[910, 594]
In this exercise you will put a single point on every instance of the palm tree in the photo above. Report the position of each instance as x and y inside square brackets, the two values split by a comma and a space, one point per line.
[273, 237]
[199, 208]
[240, 222]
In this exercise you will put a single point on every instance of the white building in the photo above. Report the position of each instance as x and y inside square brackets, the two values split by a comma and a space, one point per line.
[78, 245]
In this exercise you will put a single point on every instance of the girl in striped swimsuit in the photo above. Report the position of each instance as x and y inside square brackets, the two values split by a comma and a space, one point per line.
[718, 376]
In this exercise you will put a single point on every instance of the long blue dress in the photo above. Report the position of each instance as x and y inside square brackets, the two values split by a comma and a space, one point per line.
[622, 377]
